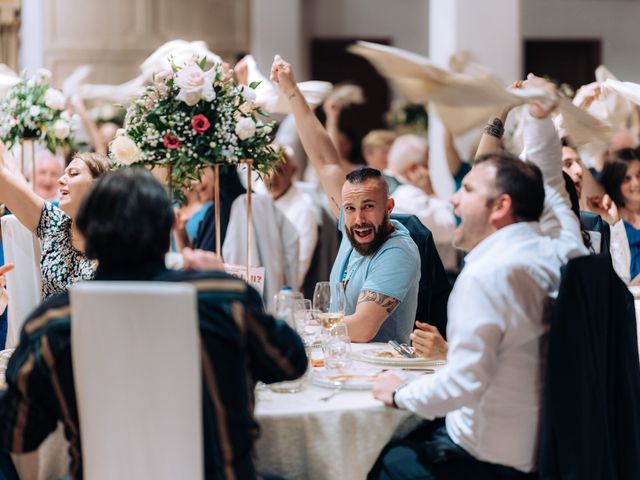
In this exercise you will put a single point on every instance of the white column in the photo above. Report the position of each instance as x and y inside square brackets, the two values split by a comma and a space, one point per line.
[31, 36]
[491, 31]
[276, 27]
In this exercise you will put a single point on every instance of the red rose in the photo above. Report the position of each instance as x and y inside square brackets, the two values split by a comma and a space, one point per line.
[170, 141]
[200, 123]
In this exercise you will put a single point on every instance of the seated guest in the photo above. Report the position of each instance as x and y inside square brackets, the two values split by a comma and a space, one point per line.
[49, 168]
[298, 207]
[230, 189]
[62, 263]
[126, 222]
[409, 162]
[375, 151]
[572, 165]
[621, 180]
[491, 388]
[378, 263]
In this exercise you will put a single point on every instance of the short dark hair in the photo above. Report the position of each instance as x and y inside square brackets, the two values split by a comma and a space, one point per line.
[614, 171]
[126, 220]
[566, 142]
[521, 180]
[364, 174]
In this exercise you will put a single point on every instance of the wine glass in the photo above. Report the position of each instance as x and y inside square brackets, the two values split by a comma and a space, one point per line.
[304, 322]
[329, 303]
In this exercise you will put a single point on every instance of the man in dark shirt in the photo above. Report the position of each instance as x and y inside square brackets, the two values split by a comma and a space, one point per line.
[126, 222]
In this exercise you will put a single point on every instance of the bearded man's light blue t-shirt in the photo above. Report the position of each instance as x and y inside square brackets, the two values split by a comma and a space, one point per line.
[393, 270]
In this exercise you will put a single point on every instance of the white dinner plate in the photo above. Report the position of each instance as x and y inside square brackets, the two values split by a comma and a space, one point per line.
[391, 358]
[352, 379]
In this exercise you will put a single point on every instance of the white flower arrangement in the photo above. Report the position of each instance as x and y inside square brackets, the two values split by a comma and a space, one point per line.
[192, 117]
[33, 110]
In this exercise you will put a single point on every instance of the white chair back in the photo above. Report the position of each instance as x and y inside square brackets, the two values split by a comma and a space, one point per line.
[136, 359]
[22, 248]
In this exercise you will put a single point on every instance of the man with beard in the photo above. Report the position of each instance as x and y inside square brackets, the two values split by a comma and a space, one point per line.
[378, 263]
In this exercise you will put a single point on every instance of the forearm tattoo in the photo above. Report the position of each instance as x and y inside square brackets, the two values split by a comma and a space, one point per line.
[386, 302]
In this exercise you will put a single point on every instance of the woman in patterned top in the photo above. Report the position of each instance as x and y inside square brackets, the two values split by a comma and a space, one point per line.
[62, 263]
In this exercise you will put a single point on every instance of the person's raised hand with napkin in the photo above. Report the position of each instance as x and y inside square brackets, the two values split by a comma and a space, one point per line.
[316, 142]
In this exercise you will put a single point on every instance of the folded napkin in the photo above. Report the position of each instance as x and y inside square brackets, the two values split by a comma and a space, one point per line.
[345, 95]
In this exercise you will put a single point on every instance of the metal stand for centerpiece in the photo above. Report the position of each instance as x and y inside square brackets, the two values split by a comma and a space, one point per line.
[28, 155]
[216, 194]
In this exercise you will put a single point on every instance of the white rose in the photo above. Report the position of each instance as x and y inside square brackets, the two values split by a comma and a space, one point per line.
[208, 93]
[61, 129]
[249, 94]
[245, 128]
[54, 99]
[34, 110]
[124, 150]
[42, 76]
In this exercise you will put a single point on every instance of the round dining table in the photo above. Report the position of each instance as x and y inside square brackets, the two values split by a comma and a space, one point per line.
[303, 436]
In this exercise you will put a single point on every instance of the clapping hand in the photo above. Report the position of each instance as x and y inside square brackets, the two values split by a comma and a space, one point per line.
[428, 343]
[605, 207]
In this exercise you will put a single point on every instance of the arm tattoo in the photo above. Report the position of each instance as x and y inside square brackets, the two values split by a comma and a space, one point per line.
[386, 302]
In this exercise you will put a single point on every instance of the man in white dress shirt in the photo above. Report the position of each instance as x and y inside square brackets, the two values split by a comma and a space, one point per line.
[298, 207]
[491, 388]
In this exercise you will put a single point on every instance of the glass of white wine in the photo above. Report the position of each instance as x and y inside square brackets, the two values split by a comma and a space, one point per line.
[329, 304]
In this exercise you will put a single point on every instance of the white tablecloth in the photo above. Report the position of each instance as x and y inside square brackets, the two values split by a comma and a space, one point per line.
[303, 437]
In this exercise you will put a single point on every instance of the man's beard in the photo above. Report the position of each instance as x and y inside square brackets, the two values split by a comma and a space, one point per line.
[380, 234]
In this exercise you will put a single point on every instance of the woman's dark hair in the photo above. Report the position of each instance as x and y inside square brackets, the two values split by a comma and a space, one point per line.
[614, 171]
[519, 179]
[575, 208]
[126, 220]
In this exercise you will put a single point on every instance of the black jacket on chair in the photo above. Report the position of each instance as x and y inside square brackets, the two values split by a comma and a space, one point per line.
[591, 418]
[434, 287]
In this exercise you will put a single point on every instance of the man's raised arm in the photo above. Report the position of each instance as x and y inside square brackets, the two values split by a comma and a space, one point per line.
[315, 139]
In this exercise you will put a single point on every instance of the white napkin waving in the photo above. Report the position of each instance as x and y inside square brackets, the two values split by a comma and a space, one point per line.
[463, 101]
[269, 98]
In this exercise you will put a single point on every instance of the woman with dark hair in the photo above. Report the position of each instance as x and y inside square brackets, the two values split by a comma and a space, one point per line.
[62, 262]
[621, 180]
